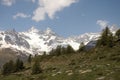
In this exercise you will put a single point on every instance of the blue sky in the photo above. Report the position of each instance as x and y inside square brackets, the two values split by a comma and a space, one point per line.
[65, 17]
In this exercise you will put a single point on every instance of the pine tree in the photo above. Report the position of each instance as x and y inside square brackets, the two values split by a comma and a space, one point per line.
[44, 53]
[5, 69]
[81, 47]
[11, 66]
[30, 58]
[63, 50]
[51, 52]
[117, 34]
[36, 68]
[106, 38]
[8, 68]
[110, 42]
[19, 65]
[58, 50]
[69, 49]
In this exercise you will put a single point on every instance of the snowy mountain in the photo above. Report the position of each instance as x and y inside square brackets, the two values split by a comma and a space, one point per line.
[41, 41]
[35, 41]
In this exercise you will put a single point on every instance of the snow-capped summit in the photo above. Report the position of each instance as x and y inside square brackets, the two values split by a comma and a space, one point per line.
[35, 41]
[33, 30]
[113, 28]
[85, 38]
[49, 31]
[12, 39]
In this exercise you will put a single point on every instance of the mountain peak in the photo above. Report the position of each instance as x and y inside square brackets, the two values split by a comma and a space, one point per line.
[49, 31]
[113, 28]
[33, 29]
[12, 31]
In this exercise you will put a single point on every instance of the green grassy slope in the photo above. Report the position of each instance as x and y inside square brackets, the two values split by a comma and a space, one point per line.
[97, 64]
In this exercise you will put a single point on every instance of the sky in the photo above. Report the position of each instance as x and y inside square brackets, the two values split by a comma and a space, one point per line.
[65, 17]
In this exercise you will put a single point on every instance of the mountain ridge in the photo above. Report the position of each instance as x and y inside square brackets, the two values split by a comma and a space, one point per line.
[35, 41]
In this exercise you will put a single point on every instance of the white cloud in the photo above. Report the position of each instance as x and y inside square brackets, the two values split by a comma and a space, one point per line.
[102, 23]
[11, 2]
[49, 8]
[21, 15]
[39, 14]
[7, 2]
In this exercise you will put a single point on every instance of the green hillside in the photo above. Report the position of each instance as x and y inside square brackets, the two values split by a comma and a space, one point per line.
[101, 62]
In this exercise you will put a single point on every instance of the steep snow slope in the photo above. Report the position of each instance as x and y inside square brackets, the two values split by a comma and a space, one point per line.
[12, 39]
[41, 41]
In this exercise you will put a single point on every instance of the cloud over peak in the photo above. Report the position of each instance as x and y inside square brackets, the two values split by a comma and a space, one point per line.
[49, 8]
[102, 23]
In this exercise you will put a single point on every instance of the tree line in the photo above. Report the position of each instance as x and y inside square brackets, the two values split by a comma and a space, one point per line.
[13, 67]
[108, 39]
